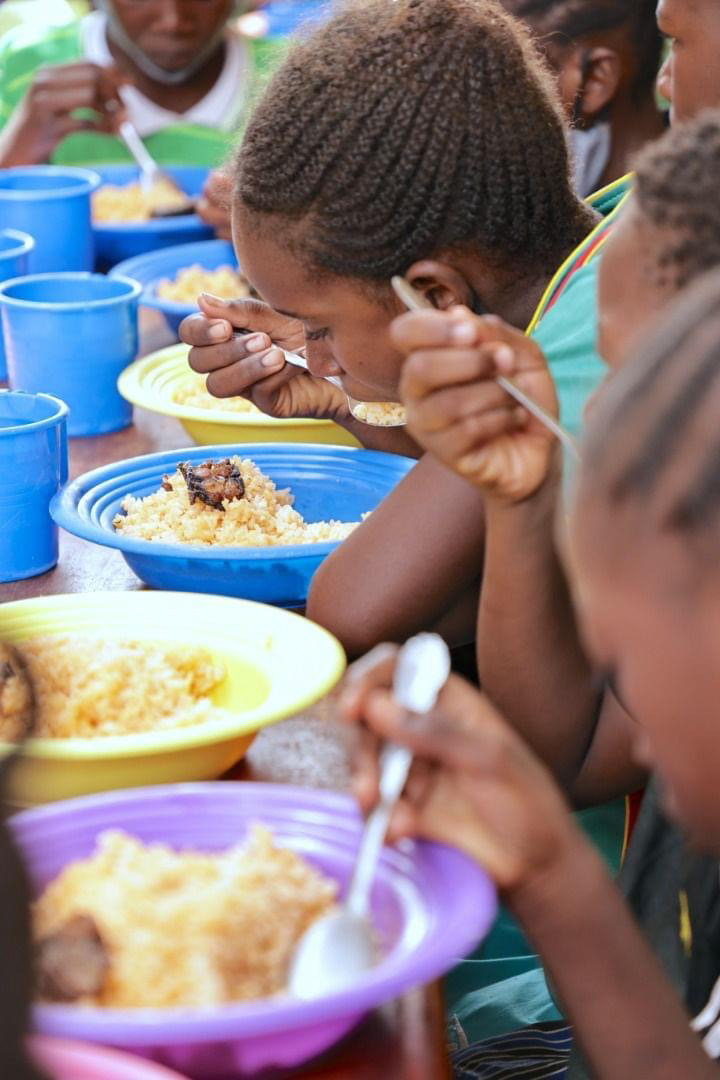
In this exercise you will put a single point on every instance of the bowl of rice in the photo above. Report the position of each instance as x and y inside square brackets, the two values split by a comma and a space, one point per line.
[122, 225]
[297, 504]
[173, 278]
[239, 870]
[145, 688]
[163, 382]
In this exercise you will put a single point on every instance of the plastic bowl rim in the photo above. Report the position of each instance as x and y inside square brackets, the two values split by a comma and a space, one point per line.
[192, 735]
[64, 513]
[135, 289]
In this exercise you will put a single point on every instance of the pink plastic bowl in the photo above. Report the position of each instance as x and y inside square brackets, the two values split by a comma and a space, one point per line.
[430, 907]
[64, 1060]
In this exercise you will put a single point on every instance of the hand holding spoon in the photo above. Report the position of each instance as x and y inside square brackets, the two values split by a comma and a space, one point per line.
[339, 948]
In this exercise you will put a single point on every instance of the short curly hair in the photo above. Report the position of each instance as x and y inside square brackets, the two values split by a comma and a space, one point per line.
[400, 129]
[676, 192]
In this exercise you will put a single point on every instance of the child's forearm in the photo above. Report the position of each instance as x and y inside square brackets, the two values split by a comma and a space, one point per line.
[626, 1015]
[531, 660]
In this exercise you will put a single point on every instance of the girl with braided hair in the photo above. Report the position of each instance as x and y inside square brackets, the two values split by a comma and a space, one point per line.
[421, 137]
[606, 54]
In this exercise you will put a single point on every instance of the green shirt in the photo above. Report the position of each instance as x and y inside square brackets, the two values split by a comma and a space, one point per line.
[27, 49]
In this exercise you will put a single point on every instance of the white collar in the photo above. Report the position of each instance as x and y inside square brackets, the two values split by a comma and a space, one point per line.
[221, 107]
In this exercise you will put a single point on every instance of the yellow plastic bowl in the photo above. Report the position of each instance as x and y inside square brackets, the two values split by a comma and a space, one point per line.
[153, 382]
[277, 664]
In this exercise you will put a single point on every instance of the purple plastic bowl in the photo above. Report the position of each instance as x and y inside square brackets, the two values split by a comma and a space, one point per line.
[431, 906]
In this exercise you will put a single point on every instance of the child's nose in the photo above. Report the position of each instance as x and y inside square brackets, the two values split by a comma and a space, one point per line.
[321, 361]
[664, 79]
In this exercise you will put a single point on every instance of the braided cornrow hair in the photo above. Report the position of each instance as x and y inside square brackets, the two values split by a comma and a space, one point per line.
[654, 436]
[571, 20]
[401, 129]
[676, 192]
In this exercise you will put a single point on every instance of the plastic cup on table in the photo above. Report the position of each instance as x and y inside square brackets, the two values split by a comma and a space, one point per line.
[34, 465]
[15, 247]
[52, 203]
[72, 335]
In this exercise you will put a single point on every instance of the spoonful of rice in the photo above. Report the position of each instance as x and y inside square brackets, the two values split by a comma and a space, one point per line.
[339, 948]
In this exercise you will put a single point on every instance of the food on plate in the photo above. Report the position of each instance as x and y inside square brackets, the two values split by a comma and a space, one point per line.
[131, 203]
[235, 918]
[225, 282]
[380, 413]
[192, 392]
[16, 695]
[87, 686]
[263, 517]
[212, 482]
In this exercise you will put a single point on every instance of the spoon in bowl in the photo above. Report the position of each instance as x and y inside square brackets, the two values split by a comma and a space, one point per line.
[339, 948]
[154, 179]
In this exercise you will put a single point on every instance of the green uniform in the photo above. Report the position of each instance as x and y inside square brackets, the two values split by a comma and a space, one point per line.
[26, 49]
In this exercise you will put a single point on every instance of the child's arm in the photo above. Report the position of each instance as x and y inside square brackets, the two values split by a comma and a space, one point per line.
[531, 660]
[478, 787]
[415, 563]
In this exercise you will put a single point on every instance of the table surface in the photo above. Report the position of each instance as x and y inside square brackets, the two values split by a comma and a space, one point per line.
[403, 1041]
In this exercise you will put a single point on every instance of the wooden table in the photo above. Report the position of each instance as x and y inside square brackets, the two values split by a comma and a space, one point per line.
[403, 1041]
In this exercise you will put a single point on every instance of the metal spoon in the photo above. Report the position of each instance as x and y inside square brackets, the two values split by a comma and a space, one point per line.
[339, 948]
[415, 301]
[151, 175]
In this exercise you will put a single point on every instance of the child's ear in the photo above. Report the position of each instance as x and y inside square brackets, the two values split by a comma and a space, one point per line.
[443, 285]
[596, 73]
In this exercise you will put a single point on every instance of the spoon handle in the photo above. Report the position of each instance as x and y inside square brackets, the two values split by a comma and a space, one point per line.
[129, 135]
[295, 359]
[395, 765]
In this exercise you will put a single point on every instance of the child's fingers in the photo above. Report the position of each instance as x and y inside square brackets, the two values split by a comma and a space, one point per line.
[449, 405]
[432, 329]
[364, 764]
[427, 370]
[373, 670]
[240, 378]
[247, 314]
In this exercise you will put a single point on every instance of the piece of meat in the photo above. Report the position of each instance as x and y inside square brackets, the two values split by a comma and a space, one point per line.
[213, 482]
[71, 963]
[16, 695]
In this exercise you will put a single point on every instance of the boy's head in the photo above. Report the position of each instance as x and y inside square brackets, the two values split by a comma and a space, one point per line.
[690, 77]
[602, 50]
[421, 137]
[645, 536]
[668, 235]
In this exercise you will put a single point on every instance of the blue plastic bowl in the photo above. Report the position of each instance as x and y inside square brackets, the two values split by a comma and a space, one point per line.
[14, 249]
[155, 266]
[114, 243]
[71, 335]
[327, 481]
[34, 464]
[52, 204]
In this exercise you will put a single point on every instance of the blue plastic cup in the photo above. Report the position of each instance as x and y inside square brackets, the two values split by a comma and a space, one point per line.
[53, 205]
[71, 335]
[14, 250]
[34, 465]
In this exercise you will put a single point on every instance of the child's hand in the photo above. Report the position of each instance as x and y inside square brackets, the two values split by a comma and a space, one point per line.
[474, 783]
[62, 99]
[214, 203]
[253, 365]
[456, 409]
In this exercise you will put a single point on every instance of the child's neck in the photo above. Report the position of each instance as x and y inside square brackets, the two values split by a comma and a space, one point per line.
[632, 124]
